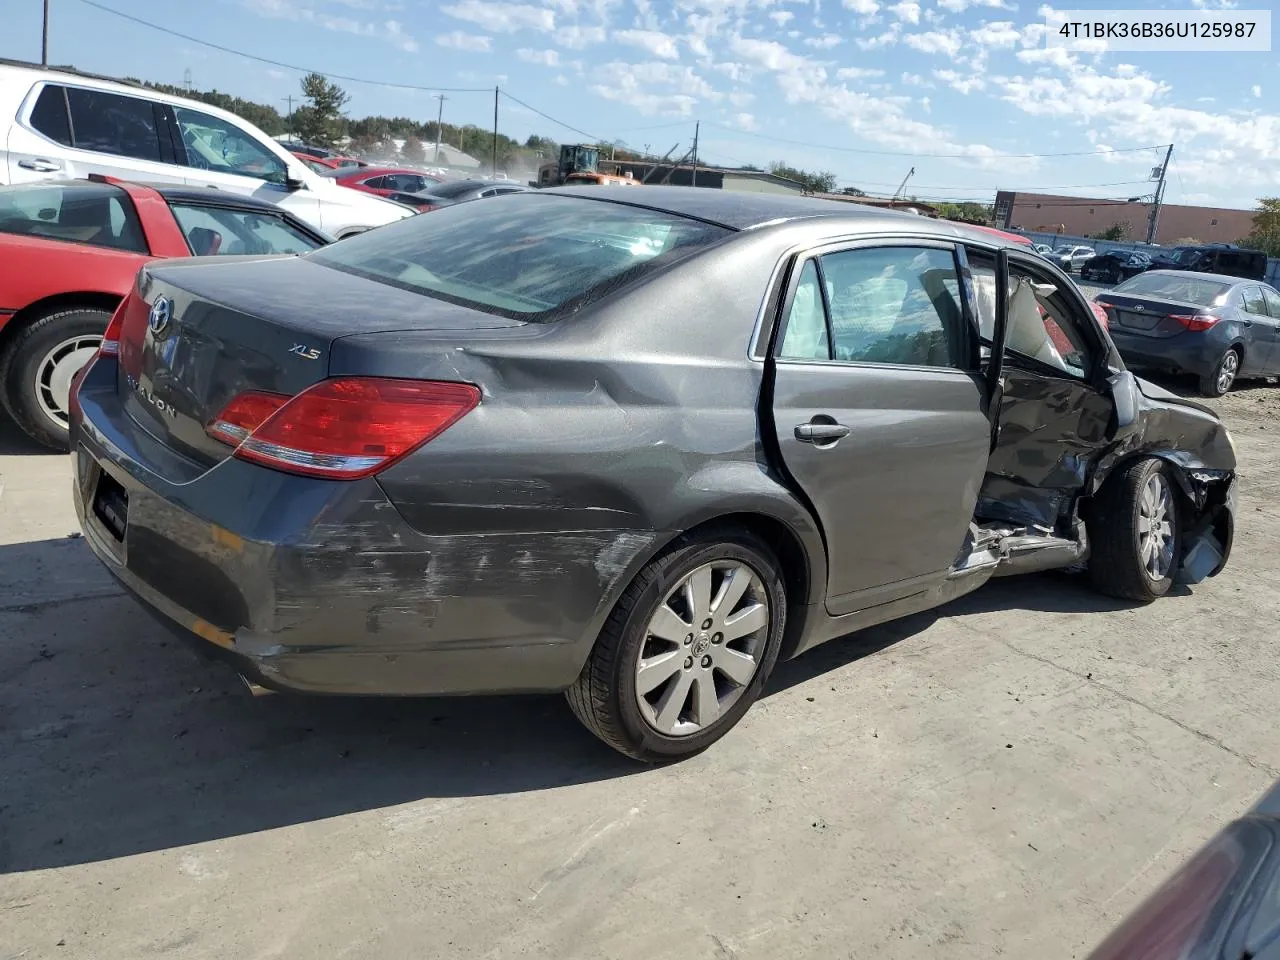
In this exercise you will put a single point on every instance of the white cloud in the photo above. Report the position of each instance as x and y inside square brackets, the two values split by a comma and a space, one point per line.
[545, 58]
[886, 39]
[656, 88]
[782, 17]
[457, 40]
[946, 42]
[745, 121]
[965, 83]
[1215, 4]
[1256, 90]
[741, 98]
[561, 80]
[959, 6]
[926, 104]
[390, 31]
[866, 8]
[578, 38]
[1001, 35]
[774, 56]
[915, 80]
[906, 10]
[499, 17]
[824, 42]
[858, 73]
[655, 43]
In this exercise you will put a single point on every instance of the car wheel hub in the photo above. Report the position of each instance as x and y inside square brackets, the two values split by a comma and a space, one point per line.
[1227, 372]
[56, 370]
[702, 648]
[1155, 528]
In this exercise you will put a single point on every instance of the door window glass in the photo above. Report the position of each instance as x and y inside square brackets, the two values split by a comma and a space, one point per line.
[92, 213]
[110, 123]
[895, 305]
[379, 183]
[1043, 323]
[1273, 301]
[1254, 301]
[49, 115]
[214, 231]
[805, 335]
[220, 146]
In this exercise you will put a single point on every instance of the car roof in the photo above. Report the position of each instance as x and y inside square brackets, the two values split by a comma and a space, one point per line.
[1224, 278]
[746, 211]
[170, 191]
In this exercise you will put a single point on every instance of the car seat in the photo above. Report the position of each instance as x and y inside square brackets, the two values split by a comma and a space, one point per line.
[1027, 333]
[204, 242]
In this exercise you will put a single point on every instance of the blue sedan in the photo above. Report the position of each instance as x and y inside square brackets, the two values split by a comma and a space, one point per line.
[1207, 324]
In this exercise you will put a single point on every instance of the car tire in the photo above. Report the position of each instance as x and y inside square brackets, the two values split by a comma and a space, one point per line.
[1134, 534]
[645, 685]
[38, 365]
[1223, 376]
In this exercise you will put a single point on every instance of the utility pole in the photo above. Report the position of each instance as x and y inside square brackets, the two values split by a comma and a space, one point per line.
[696, 127]
[44, 37]
[1153, 220]
[186, 79]
[289, 101]
[494, 155]
[439, 123]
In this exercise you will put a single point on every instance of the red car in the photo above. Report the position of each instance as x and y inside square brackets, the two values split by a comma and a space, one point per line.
[326, 164]
[384, 181]
[71, 250]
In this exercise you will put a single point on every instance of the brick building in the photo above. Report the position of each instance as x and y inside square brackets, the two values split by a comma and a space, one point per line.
[1080, 216]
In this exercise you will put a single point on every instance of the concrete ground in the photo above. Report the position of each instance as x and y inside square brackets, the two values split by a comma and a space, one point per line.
[1008, 775]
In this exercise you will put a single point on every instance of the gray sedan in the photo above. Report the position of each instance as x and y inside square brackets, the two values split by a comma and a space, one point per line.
[1216, 327]
[632, 446]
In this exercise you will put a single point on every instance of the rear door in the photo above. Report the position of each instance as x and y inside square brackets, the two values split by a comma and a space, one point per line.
[879, 413]
[1261, 358]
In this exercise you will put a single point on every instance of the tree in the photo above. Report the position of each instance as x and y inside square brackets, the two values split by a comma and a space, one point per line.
[1266, 227]
[1115, 232]
[967, 211]
[320, 121]
[823, 182]
[853, 192]
[413, 151]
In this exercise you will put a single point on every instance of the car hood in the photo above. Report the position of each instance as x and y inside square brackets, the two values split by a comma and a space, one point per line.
[1153, 392]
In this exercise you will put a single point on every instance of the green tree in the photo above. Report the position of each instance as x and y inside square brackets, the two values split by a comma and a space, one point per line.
[967, 211]
[320, 121]
[820, 182]
[1115, 232]
[1266, 227]
[853, 192]
[413, 151]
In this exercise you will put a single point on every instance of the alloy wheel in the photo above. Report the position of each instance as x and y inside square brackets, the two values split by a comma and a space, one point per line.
[1227, 370]
[1155, 527]
[702, 647]
[55, 372]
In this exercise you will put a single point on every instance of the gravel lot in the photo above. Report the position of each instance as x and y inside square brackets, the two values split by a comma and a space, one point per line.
[1007, 775]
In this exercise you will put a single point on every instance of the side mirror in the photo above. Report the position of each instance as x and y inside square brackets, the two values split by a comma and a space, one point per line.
[1123, 387]
[295, 179]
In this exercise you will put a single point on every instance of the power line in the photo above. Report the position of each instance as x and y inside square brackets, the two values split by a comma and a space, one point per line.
[590, 136]
[277, 63]
[937, 156]
[979, 188]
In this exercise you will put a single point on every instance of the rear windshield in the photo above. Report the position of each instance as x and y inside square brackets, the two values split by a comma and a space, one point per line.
[1205, 293]
[97, 214]
[524, 256]
[455, 188]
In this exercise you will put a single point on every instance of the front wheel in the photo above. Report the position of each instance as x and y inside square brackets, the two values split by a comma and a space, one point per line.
[38, 366]
[686, 650]
[1220, 379]
[1134, 533]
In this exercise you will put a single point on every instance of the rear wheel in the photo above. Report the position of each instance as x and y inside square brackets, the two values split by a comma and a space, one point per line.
[38, 366]
[1134, 533]
[687, 649]
[1223, 375]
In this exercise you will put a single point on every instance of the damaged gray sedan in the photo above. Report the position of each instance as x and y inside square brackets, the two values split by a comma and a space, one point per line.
[632, 448]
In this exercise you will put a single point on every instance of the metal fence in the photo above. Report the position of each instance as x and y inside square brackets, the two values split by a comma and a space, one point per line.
[1102, 246]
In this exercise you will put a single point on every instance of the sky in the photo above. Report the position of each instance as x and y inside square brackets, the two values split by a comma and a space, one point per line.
[966, 92]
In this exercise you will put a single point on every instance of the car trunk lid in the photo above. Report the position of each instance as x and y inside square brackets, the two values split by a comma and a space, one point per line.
[1148, 316]
[222, 329]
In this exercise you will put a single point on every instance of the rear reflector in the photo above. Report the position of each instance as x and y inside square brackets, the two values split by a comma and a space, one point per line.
[344, 428]
[110, 346]
[1195, 322]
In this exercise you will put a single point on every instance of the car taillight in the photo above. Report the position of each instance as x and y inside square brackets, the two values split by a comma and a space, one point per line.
[1195, 322]
[110, 346]
[427, 207]
[345, 428]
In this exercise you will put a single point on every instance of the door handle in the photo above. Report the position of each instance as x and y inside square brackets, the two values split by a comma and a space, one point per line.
[821, 433]
[41, 166]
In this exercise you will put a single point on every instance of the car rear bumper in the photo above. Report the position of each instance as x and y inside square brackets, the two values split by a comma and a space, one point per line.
[320, 586]
[1187, 353]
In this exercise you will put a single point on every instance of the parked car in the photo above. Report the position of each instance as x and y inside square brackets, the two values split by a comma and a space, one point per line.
[59, 124]
[1221, 258]
[1114, 266]
[384, 181]
[1221, 904]
[519, 465]
[1070, 257]
[459, 191]
[1043, 249]
[1215, 327]
[71, 250]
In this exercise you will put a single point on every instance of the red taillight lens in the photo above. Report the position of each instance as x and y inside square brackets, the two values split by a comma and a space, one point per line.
[110, 346]
[427, 207]
[344, 428]
[1195, 322]
[243, 415]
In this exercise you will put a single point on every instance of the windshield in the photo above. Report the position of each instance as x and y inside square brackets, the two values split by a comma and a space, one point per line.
[1063, 249]
[1205, 293]
[525, 256]
[1185, 254]
[454, 189]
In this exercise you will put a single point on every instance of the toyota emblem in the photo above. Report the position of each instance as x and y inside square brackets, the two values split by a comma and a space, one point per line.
[161, 313]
